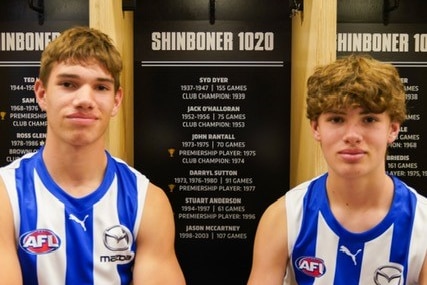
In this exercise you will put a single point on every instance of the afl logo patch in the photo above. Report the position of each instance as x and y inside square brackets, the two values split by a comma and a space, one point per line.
[39, 241]
[311, 266]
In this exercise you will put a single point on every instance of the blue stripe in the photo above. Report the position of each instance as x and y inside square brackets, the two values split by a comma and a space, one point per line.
[404, 212]
[79, 249]
[28, 212]
[345, 266]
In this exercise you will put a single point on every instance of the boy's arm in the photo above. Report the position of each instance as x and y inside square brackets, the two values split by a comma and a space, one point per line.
[270, 255]
[423, 274]
[155, 260]
[10, 270]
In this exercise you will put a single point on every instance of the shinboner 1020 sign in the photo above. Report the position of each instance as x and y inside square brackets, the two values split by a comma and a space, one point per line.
[212, 96]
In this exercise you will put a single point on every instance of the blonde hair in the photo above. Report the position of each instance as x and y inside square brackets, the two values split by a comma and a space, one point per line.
[82, 45]
[356, 81]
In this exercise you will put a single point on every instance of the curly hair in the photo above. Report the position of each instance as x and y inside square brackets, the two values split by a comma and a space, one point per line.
[82, 45]
[356, 81]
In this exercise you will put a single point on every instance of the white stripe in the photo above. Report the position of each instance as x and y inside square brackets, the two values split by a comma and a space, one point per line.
[142, 185]
[106, 208]
[8, 177]
[294, 206]
[376, 251]
[46, 205]
[181, 63]
[19, 63]
[326, 246]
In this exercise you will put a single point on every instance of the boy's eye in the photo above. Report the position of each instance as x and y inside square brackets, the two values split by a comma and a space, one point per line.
[67, 84]
[336, 119]
[370, 119]
[102, 88]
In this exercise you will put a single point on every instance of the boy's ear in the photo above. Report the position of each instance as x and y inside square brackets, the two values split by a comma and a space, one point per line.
[394, 132]
[315, 130]
[40, 93]
[118, 98]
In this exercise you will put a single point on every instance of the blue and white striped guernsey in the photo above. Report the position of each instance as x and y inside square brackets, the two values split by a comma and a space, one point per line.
[323, 252]
[66, 240]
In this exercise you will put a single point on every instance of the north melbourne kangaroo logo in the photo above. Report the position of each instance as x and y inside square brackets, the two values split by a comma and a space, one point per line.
[80, 222]
[344, 249]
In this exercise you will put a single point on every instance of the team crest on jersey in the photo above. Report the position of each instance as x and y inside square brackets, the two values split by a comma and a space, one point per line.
[311, 266]
[39, 241]
[391, 273]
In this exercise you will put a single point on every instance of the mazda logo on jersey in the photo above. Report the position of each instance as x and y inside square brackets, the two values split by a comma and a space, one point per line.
[391, 273]
[39, 241]
[311, 266]
[118, 238]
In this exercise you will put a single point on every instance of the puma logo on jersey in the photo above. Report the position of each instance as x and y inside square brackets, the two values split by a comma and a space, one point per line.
[77, 220]
[344, 249]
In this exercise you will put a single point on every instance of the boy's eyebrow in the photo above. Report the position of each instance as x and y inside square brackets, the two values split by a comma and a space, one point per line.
[334, 111]
[67, 75]
[76, 76]
[340, 111]
[104, 79]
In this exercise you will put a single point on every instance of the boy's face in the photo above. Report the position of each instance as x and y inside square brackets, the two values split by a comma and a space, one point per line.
[354, 142]
[79, 101]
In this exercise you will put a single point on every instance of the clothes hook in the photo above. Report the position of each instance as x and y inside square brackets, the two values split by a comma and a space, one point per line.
[39, 8]
[295, 6]
[212, 12]
[387, 8]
